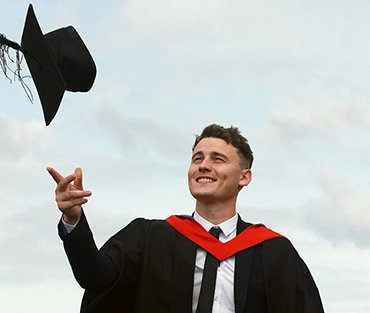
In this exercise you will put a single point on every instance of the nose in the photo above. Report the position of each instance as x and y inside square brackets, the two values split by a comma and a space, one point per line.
[205, 165]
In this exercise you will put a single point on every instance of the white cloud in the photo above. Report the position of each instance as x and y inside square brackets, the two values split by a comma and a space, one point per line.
[341, 213]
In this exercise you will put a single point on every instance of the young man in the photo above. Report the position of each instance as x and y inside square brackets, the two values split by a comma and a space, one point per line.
[164, 266]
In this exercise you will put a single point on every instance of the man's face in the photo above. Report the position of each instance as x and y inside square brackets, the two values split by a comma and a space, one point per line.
[215, 173]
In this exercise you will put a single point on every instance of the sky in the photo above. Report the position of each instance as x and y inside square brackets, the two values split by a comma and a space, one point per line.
[294, 77]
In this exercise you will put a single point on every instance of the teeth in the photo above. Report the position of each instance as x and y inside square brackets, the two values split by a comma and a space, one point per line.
[205, 180]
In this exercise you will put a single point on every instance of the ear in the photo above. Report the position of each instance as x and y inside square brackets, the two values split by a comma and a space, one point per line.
[246, 177]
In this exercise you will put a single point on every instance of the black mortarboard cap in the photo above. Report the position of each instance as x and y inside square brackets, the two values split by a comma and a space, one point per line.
[57, 61]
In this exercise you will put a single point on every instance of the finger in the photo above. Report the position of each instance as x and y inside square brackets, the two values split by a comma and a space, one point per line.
[71, 204]
[56, 176]
[78, 179]
[64, 183]
[71, 199]
[72, 195]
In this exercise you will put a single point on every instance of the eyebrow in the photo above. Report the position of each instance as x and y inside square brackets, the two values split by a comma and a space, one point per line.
[220, 155]
[214, 153]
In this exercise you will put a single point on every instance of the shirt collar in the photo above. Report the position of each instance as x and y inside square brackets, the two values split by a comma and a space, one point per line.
[227, 227]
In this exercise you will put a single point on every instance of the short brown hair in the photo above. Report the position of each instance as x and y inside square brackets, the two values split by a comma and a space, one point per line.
[231, 136]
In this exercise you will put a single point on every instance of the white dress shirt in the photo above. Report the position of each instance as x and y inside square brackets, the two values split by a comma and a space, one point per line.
[224, 290]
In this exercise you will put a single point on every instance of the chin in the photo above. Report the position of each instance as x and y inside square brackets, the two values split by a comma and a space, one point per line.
[204, 197]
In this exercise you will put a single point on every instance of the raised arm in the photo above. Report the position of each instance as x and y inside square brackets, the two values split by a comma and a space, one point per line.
[92, 269]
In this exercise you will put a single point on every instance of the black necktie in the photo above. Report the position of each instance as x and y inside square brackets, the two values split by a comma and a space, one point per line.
[207, 289]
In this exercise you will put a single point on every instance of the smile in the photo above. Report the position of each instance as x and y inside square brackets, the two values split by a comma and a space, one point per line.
[205, 180]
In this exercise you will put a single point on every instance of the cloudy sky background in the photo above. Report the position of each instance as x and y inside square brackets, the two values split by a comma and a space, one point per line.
[294, 76]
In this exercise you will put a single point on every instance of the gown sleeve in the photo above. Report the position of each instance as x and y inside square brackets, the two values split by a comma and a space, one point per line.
[109, 275]
[290, 287]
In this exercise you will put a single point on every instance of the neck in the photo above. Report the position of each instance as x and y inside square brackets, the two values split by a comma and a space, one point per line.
[214, 213]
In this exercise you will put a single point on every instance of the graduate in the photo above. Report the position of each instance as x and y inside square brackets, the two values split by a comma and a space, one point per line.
[208, 261]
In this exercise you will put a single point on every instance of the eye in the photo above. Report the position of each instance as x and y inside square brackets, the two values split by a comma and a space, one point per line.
[197, 159]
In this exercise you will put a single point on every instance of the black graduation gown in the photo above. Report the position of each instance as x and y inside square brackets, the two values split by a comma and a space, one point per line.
[148, 266]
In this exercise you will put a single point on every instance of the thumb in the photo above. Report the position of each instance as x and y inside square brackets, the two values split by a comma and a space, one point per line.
[78, 180]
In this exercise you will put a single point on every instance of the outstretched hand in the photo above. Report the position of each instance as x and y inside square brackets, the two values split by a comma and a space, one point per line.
[69, 194]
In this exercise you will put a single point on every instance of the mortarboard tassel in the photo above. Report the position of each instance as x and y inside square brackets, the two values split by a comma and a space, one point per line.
[5, 44]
